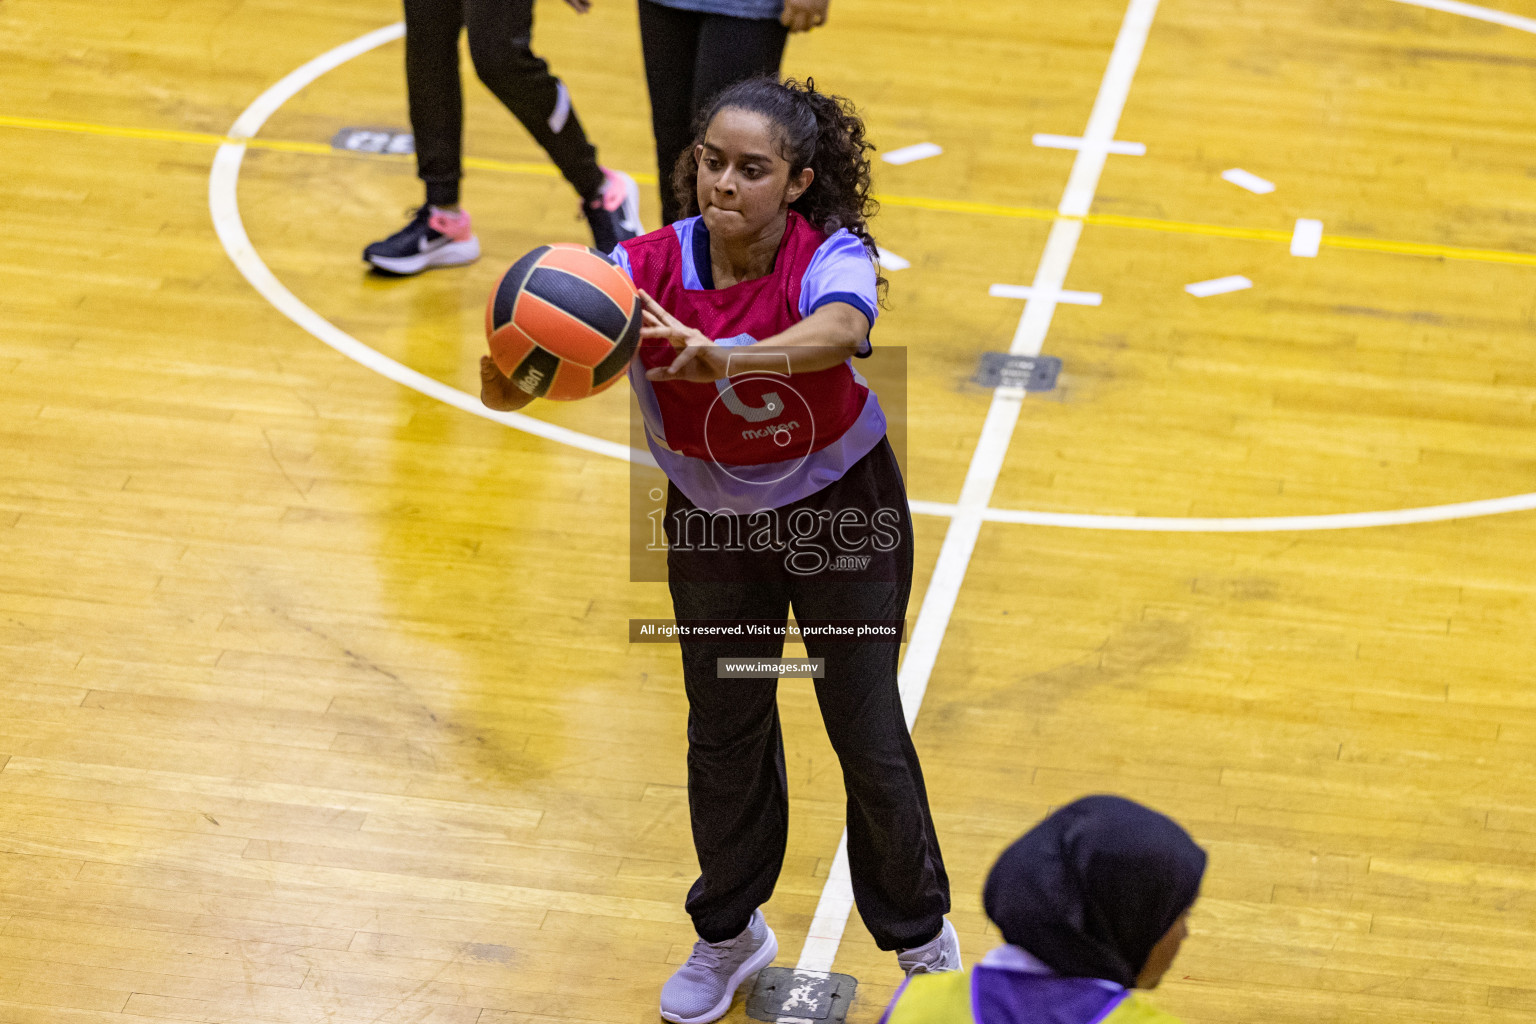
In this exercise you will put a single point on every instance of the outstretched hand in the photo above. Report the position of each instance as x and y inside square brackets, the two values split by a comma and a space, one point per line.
[497, 390]
[697, 357]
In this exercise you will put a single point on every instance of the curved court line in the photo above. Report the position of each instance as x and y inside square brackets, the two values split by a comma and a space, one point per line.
[223, 205]
[1487, 14]
[1253, 524]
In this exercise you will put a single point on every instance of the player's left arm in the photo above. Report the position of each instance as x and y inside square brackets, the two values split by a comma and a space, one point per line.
[834, 333]
[838, 304]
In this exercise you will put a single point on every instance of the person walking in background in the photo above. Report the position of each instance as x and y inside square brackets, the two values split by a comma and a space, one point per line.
[500, 32]
[695, 49]
[1092, 902]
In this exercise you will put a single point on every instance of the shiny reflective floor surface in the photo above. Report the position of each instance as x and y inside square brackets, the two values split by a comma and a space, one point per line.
[317, 700]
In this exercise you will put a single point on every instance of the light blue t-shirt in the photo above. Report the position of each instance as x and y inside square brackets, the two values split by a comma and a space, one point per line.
[755, 9]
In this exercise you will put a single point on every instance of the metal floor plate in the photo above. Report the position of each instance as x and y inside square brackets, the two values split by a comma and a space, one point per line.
[804, 995]
[1032, 373]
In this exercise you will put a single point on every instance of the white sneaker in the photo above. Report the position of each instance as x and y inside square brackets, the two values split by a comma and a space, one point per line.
[941, 953]
[702, 989]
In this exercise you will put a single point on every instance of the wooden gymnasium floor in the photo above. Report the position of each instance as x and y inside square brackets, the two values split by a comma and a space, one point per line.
[315, 697]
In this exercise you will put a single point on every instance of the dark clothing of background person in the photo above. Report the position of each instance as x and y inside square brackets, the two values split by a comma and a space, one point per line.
[500, 34]
[690, 55]
[1091, 889]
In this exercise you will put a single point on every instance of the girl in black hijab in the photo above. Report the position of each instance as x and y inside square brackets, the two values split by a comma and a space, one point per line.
[1092, 902]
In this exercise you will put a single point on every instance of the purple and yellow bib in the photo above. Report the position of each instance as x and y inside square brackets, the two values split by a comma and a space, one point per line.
[989, 995]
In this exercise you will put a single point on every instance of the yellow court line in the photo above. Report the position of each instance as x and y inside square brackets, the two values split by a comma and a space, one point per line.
[280, 145]
[965, 206]
[86, 128]
[1181, 227]
[544, 170]
[161, 135]
[1184, 227]
[1178, 227]
[1451, 252]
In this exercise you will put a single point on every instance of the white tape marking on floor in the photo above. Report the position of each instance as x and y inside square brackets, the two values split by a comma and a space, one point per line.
[1218, 286]
[997, 431]
[1024, 291]
[1045, 141]
[1306, 238]
[1248, 180]
[890, 261]
[910, 154]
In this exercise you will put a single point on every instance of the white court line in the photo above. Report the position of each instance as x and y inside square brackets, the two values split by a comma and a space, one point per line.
[1248, 180]
[890, 261]
[1306, 237]
[1024, 291]
[1045, 141]
[992, 447]
[1105, 118]
[909, 154]
[1480, 13]
[1218, 286]
[1250, 524]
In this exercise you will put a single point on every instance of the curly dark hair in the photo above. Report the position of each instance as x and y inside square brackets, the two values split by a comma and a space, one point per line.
[814, 129]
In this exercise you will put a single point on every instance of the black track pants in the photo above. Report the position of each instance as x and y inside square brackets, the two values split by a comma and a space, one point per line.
[738, 796]
[689, 57]
[500, 33]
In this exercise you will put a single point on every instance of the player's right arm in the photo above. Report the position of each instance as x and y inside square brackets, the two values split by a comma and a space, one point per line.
[496, 389]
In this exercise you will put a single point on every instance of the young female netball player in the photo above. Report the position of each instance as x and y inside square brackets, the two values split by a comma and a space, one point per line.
[770, 271]
[1092, 903]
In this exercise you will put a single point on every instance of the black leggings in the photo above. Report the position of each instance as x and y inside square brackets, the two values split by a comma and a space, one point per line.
[738, 796]
[689, 57]
[499, 37]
